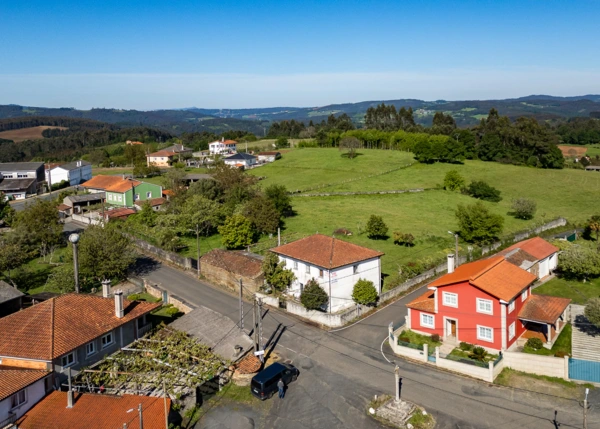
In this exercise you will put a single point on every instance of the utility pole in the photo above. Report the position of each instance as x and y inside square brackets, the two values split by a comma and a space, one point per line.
[165, 400]
[198, 248]
[141, 416]
[254, 325]
[260, 313]
[241, 307]
[585, 408]
[74, 238]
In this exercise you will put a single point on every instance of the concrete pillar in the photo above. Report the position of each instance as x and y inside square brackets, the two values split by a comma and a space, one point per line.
[566, 377]
[425, 352]
[491, 371]
[549, 332]
[437, 355]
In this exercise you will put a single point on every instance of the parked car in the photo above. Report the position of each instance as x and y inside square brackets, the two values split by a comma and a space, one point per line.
[264, 384]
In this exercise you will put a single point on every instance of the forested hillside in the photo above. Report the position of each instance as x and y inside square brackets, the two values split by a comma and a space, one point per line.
[172, 121]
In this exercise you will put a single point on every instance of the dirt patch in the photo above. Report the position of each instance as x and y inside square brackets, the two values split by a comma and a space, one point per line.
[540, 384]
[31, 133]
[572, 151]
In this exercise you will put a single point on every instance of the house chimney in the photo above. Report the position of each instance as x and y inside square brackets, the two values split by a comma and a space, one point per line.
[105, 288]
[450, 263]
[79, 163]
[119, 311]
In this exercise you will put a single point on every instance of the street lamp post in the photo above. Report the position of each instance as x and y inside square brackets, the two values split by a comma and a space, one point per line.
[456, 262]
[74, 239]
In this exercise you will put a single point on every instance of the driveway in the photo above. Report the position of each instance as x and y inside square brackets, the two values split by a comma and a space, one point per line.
[349, 366]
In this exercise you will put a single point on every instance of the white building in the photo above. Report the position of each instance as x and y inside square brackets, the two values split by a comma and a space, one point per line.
[241, 159]
[20, 390]
[535, 255]
[222, 146]
[75, 173]
[268, 156]
[336, 264]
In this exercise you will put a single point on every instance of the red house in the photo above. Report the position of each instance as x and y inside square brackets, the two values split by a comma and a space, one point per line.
[487, 303]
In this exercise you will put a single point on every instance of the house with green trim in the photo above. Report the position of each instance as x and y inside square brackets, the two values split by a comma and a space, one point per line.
[128, 191]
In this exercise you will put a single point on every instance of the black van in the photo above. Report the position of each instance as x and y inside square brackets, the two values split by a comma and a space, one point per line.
[264, 384]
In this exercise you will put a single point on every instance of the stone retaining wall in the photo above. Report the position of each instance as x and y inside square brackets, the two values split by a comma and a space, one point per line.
[158, 292]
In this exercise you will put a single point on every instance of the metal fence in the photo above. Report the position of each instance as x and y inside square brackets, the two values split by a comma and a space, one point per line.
[410, 345]
[584, 370]
[468, 361]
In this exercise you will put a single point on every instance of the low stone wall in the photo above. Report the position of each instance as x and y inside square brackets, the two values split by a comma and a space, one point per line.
[222, 277]
[180, 261]
[86, 220]
[338, 194]
[407, 352]
[536, 364]
[526, 234]
[158, 292]
[485, 374]
[332, 320]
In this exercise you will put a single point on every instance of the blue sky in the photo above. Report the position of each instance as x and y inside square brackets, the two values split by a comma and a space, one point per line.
[165, 54]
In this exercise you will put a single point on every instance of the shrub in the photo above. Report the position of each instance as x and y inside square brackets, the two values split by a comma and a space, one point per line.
[435, 338]
[466, 347]
[364, 292]
[561, 354]
[172, 311]
[237, 232]
[534, 343]
[453, 181]
[478, 353]
[483, 191]
[404, 339]
[401, 239]
[313, 296]
[592, 311]
[307, 143]
[133, 297]
[376, 227]
[282, 142]
[524, 208]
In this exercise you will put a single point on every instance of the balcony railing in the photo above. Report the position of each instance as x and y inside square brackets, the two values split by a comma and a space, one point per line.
[144, 330]
[8, 422]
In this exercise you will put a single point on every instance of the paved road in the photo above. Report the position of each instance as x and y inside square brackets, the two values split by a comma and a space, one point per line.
[350, 363]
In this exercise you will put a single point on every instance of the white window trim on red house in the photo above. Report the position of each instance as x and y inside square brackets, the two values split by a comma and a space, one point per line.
[485, 301]
[451, 295]
[512, 331]
[426, 325]
[479, 337]
[511, 306]
[524, 295]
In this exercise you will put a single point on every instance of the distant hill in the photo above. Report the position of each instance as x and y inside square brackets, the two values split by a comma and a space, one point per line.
[465, 112]
[172, 121]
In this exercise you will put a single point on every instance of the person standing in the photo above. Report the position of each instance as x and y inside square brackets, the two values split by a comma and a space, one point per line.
[281, 387]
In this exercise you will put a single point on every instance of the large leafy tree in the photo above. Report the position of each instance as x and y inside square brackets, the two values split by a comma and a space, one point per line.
[350, 145]
[579, 262]
[275, 272]
[237, 232]
[105, 253]
[477, 224]
[376, 227]
[278, 194]
[592, 311]
[453, 181]
[262, 213]
[313, 296]
[12, 255]
[39, 227]
[6, 211]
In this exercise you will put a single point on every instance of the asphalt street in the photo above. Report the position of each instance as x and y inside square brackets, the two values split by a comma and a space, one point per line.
[347, 368]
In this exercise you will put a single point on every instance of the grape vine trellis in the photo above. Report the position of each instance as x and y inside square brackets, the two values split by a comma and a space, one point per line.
[168, 356]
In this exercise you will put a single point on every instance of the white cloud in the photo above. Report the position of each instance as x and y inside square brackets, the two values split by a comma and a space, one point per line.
[154, 91]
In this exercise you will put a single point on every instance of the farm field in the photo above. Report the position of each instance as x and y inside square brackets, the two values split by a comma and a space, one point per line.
[31, 133]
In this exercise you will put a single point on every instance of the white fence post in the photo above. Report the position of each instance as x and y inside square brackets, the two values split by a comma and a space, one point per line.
[566, 376]
[491, 367]
[425, 352]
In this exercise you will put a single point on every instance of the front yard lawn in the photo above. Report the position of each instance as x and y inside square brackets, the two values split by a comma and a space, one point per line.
[467, 355]
[562, 344]
[541, 384]
[419, 339]
[578, 291]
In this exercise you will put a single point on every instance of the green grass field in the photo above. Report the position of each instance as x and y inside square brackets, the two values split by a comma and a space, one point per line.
[577, 291]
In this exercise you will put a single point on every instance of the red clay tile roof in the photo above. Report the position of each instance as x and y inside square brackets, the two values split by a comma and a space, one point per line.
[14, 379]
[234, 262]
[543, 308]
[425, 302]
[495, 276]
[519, 257]
[95, 411]
[119, 213]
[326, 252]
[102, 182]
[535, 246]
[153, 202]
[168, 192]
[59, 325]
[161, 153]
[123, 186]
[62, 207]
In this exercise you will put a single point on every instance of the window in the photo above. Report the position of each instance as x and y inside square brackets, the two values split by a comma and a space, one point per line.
[109, 197]
[450, 299]
[90, 348]
[68, 360]
[21, 176]
[321, 273]
[18, 399]
[511, 331]
[295, 265]
[511, 306]
[484, 306]
[107, 340]
[485, 334]
[524, 295]
[355, 269]
[148, 194]
[427, 320]
[137, 197]
[120, 198]
[48, 384]
[307, 269]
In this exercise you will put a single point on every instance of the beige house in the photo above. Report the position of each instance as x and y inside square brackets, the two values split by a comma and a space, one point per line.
[162, 158]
